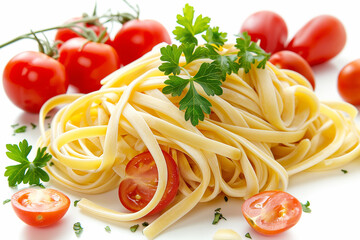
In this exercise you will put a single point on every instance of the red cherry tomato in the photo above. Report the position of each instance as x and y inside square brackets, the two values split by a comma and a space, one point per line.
[138, 37]
[87, 63]
[319, 40]
[272, 212]
[268, 27]
[293, 61]
[140, 184]
[31, 78]
[349, 82]
[64, 34]
[40, 207]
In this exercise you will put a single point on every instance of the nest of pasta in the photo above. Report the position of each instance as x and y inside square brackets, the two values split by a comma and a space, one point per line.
[266, 126]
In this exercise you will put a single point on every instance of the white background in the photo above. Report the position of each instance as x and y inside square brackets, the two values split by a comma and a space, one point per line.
[334, 196]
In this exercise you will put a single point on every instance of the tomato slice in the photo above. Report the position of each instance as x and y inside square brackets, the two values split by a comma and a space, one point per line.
[40, 207]
[138, 187]
[272, 212]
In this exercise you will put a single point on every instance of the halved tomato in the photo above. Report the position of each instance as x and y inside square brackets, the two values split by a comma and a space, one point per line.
[40, 207]
[140, 184]
[272, 212]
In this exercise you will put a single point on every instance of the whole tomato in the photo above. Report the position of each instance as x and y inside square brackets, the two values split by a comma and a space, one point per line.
[319, 40]
[293, 61]
[64, 34]
[138, 37]
[349, 82]
[31, 78]
[268, 27]
[87, 63]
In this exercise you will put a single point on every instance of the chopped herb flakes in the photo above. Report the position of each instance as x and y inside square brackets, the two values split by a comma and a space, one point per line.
[145, 224]
[305, 207]
[107, 229]
[217, 216]
[6, 201]
[344, 171]
[248, 235]
[134, 227]
[76, 202]
[78, 229]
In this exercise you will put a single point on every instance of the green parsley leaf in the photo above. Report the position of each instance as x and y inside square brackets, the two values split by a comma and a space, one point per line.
[186, 34]
[108, 229]
[78, 229]
[209, 77]
[195, 105]
[344, 171]
[250, 53]
[134, 227]
[170, 55]
[15, 125]
[191, 55]
[175, 86]
[26, 171]
[305, 207]
[248, 235]
[6, 201]
[213, 36]
[33, 125]
[217, 216]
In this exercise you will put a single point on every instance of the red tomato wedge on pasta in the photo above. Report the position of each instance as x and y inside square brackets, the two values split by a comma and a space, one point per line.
[272, 212]
[140, 183]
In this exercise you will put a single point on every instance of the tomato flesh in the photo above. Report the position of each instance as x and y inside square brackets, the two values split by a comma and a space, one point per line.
[31, 78]
[349, 82]
[272, 212]
[138, 37]
[268, 27]
[293, 61]
[40, 207]
[319, 40]
[138, 187]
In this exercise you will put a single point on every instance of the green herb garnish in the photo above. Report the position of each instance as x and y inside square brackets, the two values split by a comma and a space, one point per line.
[33, 125]
[305, 207]
[248, 235]
[108, 229]
[26, 171]
[208, 79]
[134, 227]
[6, 201]
[226, 198]
[344, 171]
[78, 229]
[76, 202]
[217, 216]
[145, 224]
[21, 129]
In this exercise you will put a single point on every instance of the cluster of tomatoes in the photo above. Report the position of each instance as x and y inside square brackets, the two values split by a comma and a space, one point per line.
[85, 54]
[318, 41]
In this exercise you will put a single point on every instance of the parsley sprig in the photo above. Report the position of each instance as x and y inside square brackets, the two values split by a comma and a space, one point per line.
[211, 73]
[26, 171]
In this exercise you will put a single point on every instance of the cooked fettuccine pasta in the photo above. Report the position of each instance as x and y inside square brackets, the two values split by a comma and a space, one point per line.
[266, 126]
